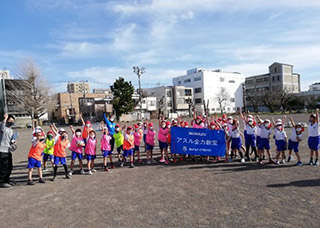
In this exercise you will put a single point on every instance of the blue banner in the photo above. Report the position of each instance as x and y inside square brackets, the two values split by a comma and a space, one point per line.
[198, 141]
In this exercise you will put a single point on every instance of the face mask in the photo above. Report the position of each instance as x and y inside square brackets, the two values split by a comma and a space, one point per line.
[10, 124]
[151, 128]
[64, 137]
[198, 121]
[117, 129]
[163, 126]
[279, 127]
[88, 125]
[267, 125]
[111, 119]
[230, 121]
[298, 129]
[311, 121]
[92, 136]
[250, 123]
[78, 134]
[50, 136]
[41, 140]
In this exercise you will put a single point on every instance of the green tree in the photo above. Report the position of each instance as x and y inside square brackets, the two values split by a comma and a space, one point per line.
[122, 92]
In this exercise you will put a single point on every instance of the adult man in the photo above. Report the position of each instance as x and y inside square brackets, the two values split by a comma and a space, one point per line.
[6, 141]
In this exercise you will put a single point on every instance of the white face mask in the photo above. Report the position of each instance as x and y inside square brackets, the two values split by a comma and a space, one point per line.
[250, 123]
[92, 136]
[111, 119]
[230, 121]
[279, 127]
[267, 125]
[78, 133]
[299, 129]
[88, 125]
[163, 125]
[151, 128]
[117, 129]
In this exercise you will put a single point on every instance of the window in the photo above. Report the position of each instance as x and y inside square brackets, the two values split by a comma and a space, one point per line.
[221, 79]
[213, 109]
[197, 78]
[231, 99]
[275, 70]
[168, 93]
[232, 81]
[179, 82]
[278, 78]
[228, 109]
[187, 80]
[198, 100]
[197, 90]
[187, 92]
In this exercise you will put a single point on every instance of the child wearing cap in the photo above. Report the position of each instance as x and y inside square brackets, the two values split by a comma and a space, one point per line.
[250, 131]
[138, 133]
[163, 140]
[264, 144]
[34, 157]
[105, 142]
[295, 138]
[314, 137]
[236, 140]
[60, 145]
[76, 146]
[118, 139]
[198, 121]
[90, 150]
[128, 145]
[48, 150]
[150, 138]
[281, 140]
[87, 127]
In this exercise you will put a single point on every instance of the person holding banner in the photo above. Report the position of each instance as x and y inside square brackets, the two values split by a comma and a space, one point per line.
[150, 138]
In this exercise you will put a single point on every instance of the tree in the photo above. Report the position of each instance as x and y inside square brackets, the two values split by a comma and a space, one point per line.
[296, 103]
[283, 97]
[33, 91]
[122, 101]
[254, 100]
[222, 97]
[269, 100]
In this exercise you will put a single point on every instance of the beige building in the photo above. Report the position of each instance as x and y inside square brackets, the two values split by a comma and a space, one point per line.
[78, 87]
[280, 78]
[69, 106]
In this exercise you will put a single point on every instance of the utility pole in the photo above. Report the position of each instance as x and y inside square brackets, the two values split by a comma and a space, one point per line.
[244, 97]
[4, 92]
[139, 72]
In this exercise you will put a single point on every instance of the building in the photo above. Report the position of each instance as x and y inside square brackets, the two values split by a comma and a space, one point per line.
[279, 79]
[103, 91]
[78, 87]
[314, 87]
[207, 84]
[5, 74]
[69, 106]
[172, 99]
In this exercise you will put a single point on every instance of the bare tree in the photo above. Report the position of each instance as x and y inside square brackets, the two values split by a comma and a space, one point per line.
[269, 99]
[283, 98]
[222, 97]
[34, 95]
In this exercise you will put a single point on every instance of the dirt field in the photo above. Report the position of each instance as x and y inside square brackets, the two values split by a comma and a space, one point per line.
[188, 194]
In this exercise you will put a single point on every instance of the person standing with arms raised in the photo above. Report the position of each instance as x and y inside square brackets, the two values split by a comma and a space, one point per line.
[6, 141]
[111, 128]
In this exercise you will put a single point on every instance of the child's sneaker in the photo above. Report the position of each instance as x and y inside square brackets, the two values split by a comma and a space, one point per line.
[81, 171]
[93, 170]
[181, 159]
[162, 160]
[230, 160]
[89, 172]
[299, 163]
[316, 162]
[271, 161]
[166, 162]
[140, 161]
[283, 161]
[131, 166]
[31, 182]
[112, 167]
[148, 162]
[70, 173]
[153, 161]
[175, 161]
[311, 162]
[171, 159]
[106, 169]
[277, 162]
[41, 181]
[44, 170]
[290, 158]
[122, 164]
[242, 160]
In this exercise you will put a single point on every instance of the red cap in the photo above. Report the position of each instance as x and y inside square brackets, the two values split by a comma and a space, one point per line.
[186, 123]
[150, 125]
[198, 117]
[118, 125]
[168, 123]
[129, 128]
[88, 122]
[212, 123]
[136, 126]
[49, 132]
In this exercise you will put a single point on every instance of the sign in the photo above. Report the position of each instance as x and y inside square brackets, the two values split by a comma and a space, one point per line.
[193, 141]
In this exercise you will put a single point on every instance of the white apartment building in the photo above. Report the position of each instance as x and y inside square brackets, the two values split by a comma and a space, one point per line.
[206, 85]
[314, 87]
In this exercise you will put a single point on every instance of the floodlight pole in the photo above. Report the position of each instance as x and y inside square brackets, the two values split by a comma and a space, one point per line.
[139, 72]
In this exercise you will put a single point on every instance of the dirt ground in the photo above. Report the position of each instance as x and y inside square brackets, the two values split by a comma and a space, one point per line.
[187, 194]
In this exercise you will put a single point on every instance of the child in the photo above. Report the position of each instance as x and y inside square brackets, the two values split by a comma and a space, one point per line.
[48, 150]
[34, 157]
[150, 137]
[60, 145]
[128, 146]
[90, 150]
[86, 128]
[111, 128]
[265, 140]
[77, 144]
[281, 140]
[105, 143]
[250, 131]
[314, 137]
[296, 137]
[163, 141]
[236, 140]
[137, 141]
[118, 139]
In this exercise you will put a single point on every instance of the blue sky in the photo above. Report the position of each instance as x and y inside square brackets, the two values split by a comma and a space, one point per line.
[98, 41]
